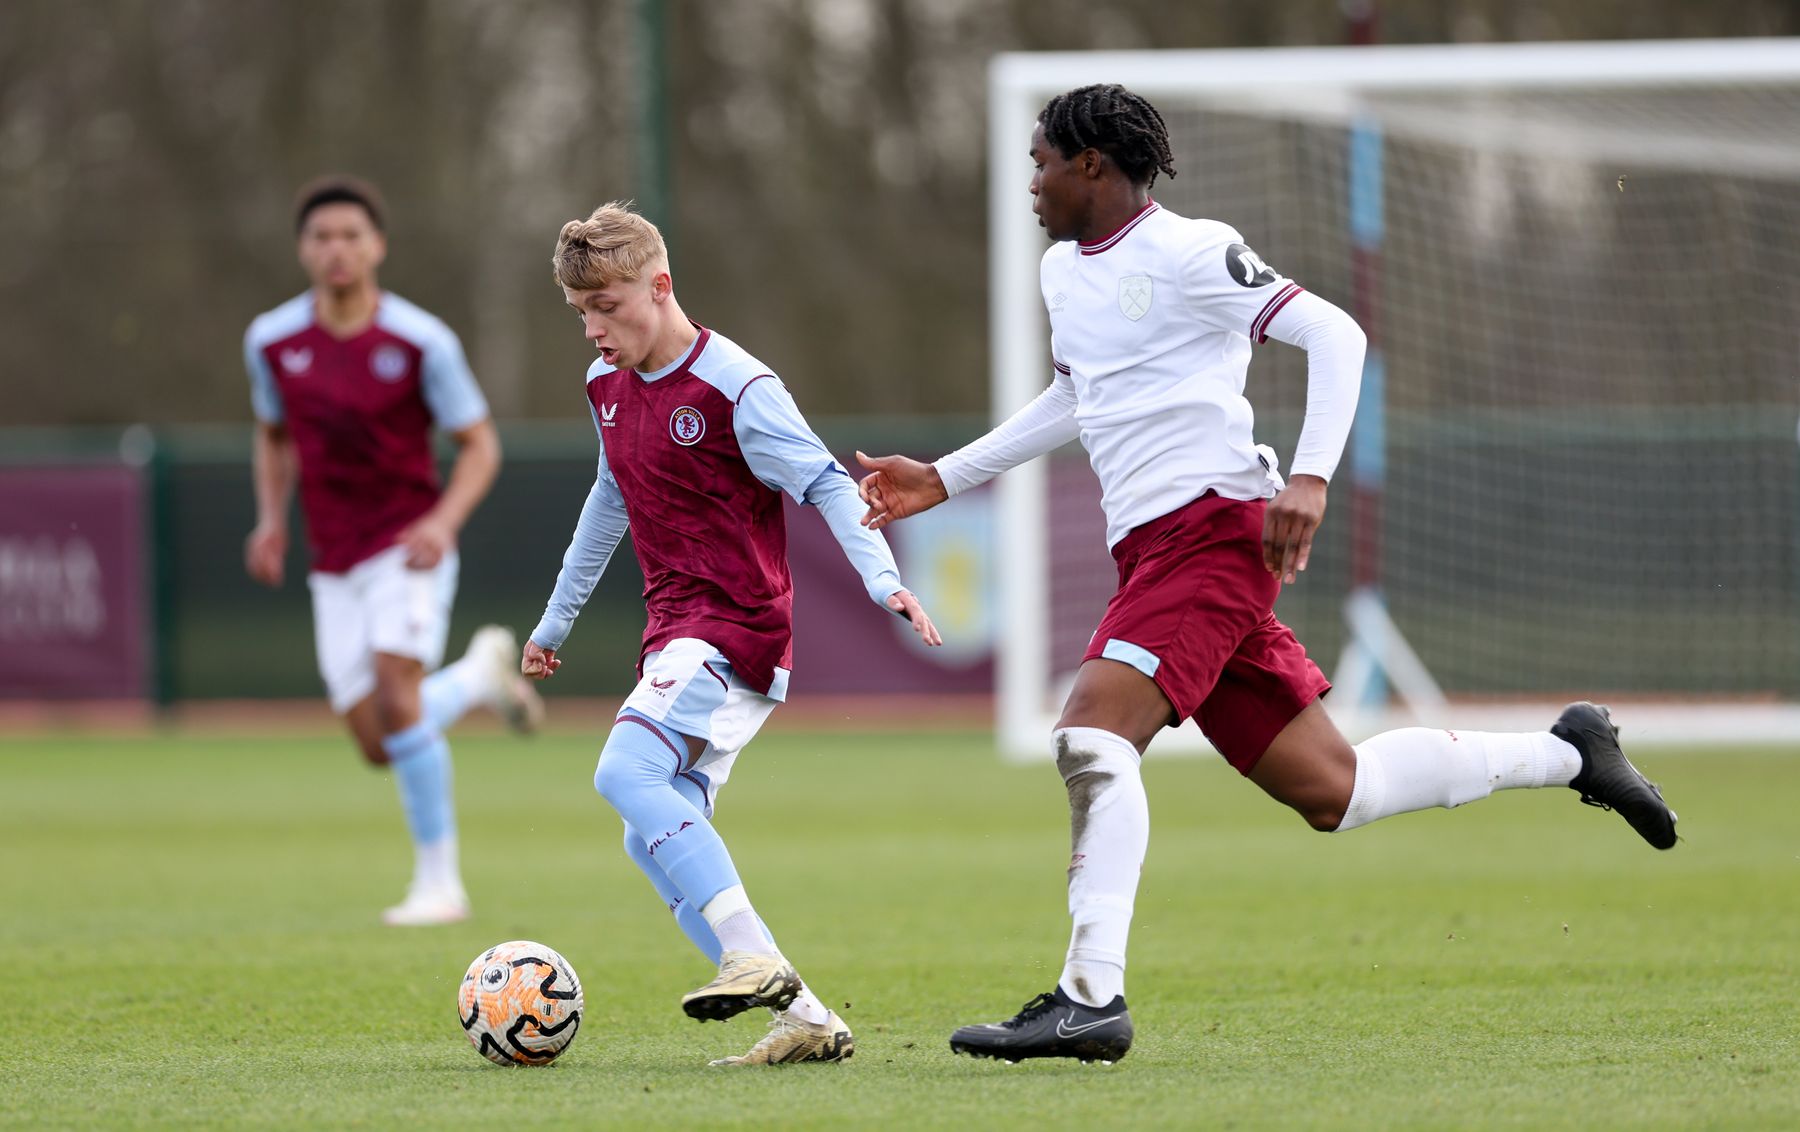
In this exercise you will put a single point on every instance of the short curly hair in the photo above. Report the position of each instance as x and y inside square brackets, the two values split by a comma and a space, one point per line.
[1120, 124]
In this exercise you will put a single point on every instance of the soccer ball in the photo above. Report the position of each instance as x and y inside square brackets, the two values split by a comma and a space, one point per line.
[520, 1004]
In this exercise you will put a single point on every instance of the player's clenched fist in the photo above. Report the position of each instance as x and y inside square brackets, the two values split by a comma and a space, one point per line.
[264, 552]
[538, 663]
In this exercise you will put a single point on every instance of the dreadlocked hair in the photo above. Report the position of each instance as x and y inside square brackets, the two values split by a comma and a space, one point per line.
[1120, 124]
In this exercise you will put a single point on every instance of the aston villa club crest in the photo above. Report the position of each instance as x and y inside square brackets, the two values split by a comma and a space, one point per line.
[388, 362]
[686, 425]
[1134, 296]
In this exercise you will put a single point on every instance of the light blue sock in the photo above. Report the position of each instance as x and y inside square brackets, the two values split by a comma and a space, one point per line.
[421, 762]
[687, 917]
[638, 768]
[447, 694]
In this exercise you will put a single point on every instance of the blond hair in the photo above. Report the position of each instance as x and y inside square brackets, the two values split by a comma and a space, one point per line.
[612, 245]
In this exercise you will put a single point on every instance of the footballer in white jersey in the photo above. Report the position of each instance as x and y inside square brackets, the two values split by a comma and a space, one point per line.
[1153, 317]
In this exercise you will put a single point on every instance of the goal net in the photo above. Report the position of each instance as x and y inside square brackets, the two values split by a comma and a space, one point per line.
[1573, 472]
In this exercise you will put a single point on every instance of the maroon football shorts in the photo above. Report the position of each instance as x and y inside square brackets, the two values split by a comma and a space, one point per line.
[1195, 612]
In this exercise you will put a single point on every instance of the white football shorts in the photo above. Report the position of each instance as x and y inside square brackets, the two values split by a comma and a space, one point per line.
[689, 687]
[379, 605]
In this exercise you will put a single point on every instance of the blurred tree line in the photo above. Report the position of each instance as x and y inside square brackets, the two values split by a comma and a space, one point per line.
[827, 158]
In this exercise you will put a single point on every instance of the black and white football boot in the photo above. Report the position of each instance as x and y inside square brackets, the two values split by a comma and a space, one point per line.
[1052, 1025]
[1607, 779]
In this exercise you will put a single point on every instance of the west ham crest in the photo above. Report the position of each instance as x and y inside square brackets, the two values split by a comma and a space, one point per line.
[1134, 296]
[686, 425]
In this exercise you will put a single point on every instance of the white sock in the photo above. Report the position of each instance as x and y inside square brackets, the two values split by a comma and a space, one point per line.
[1109, 821]
[449, 693]
[734, 921]
[1416, 768]
[808, 1008]
[435, 866]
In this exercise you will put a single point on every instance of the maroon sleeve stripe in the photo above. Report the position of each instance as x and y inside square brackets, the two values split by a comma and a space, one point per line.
[1060, 368]
[1259, 329]
[747, 385]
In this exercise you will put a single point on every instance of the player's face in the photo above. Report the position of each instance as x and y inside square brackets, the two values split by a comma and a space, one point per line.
[1059, 191]
[340, 247]
[620, 319]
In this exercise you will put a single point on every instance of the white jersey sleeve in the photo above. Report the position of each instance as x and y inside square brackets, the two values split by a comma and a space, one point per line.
[1227, 285]
[1334, 347]
[1044, 425]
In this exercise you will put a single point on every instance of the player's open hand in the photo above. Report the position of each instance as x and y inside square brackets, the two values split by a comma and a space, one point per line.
[906, 605]
[538, 663]
[265, 553]
[426, 539]
[897, 487]
[1288, 526]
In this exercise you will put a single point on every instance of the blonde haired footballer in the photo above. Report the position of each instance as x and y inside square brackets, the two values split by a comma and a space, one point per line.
[698, 443]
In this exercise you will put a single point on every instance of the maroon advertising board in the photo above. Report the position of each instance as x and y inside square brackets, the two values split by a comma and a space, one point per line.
[73, 609]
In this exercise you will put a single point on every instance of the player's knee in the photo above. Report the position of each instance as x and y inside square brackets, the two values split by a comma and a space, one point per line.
[372, 751]
[1078, 761]
[396, 709]
[620, 774]
[610, 780]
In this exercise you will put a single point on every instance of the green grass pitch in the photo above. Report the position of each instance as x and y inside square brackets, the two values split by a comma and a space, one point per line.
[190, 936]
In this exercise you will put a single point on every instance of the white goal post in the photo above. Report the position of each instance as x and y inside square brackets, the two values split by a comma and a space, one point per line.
[1574, 471]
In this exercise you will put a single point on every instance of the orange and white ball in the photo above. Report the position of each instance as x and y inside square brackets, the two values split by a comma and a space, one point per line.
[520, 1003]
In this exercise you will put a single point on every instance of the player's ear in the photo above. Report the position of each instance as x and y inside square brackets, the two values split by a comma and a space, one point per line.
[1090, 162]
[662, 285]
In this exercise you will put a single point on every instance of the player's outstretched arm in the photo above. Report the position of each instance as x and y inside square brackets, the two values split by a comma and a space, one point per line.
[838, 502]
[897, 487]
[786, 455]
